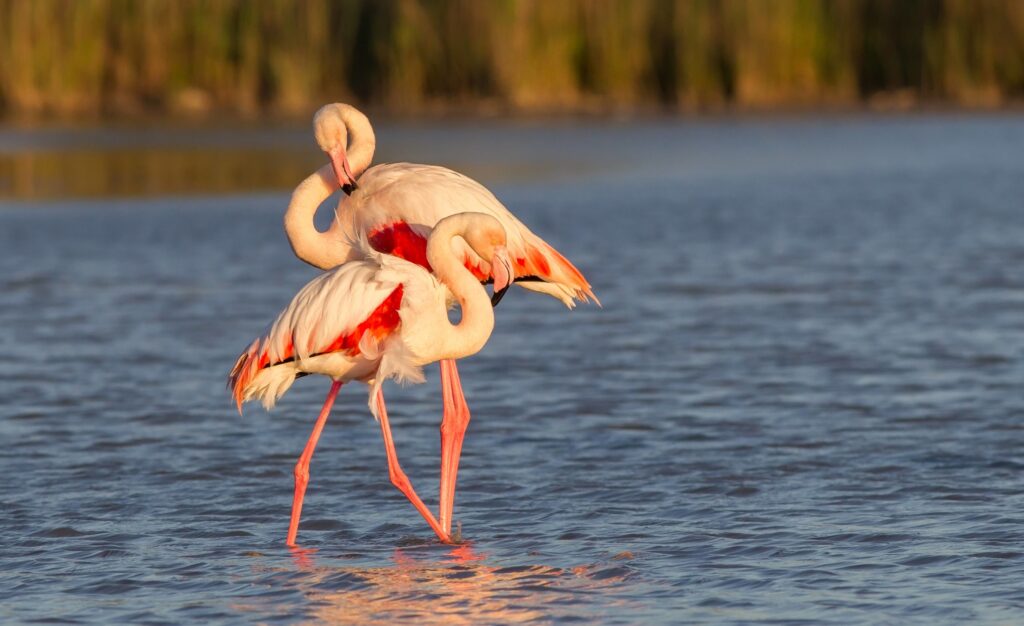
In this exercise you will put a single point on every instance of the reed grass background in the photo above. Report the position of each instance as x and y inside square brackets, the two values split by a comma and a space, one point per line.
[284, 57]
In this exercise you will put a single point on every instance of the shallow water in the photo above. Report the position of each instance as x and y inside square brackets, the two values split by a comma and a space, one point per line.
[801, 402]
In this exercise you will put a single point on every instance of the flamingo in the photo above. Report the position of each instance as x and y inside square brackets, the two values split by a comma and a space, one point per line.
[395, 206]
[376, 318]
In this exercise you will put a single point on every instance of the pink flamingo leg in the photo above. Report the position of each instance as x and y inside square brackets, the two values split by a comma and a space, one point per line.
[302, 467]
[398, 477]
[453, 430]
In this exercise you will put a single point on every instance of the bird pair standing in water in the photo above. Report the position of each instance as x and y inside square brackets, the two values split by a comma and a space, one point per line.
[408, 242]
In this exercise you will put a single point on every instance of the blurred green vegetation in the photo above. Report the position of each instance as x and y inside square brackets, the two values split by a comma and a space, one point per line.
[283, 57]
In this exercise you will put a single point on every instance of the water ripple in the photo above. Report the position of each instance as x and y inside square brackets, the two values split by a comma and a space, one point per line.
[799, 404]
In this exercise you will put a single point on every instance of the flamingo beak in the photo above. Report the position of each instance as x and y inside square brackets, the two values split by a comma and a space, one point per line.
[339, 159]
[501, 270]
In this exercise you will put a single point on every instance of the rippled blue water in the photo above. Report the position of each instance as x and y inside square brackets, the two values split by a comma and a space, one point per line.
[801, 402]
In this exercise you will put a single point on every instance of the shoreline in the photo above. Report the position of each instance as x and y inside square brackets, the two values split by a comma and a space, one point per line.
[491, 112]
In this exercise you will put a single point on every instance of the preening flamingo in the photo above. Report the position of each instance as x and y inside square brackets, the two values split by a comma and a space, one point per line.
[375, 318]
[395, 206]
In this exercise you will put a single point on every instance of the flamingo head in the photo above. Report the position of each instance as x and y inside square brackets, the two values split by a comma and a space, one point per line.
[331, 134]
[487, 237]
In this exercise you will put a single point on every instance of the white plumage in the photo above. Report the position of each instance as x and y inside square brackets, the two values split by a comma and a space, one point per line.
[331, 305]
[375, 318]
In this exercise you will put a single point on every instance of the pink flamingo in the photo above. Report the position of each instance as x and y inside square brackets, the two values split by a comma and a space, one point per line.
[375, 318]
[395, 206]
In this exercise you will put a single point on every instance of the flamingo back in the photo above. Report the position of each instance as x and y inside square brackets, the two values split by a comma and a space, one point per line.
[335, 326]
[398, 204]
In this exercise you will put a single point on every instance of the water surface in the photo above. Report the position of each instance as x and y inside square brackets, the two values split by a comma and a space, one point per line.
[800, 403]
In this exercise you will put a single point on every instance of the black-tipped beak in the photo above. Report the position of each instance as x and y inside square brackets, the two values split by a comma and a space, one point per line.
[342, 170]
[501, 267]
[498, 295]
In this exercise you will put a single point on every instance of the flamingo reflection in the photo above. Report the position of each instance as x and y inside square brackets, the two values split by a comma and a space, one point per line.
[461, 587]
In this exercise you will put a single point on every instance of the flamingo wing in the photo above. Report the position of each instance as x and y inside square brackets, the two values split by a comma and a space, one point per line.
[398, 204]
[346, 310]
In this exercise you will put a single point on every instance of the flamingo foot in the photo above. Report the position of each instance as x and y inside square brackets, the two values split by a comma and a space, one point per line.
[455, 538]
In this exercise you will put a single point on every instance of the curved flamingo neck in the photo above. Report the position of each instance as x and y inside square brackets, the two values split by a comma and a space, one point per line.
[320, 249]
[327, 249]
[474, 329]
[361, 139]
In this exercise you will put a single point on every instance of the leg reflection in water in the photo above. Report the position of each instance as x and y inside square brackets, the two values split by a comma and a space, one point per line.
[459, 585]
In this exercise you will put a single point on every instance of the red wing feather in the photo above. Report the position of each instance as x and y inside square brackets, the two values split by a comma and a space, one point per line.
[382, 322]
[399, 239]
